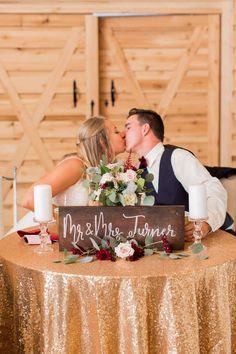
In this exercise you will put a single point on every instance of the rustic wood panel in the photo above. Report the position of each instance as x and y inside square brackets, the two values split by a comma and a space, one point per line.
[165, 64]
[60, 16]
[114, 223]
[41, 56]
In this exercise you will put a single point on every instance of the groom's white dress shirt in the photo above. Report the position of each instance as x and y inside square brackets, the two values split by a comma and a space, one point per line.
[188, 171]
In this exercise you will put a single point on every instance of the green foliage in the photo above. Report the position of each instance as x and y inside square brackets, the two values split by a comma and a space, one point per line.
[149, 200]
[197, 248]
[149, 177]
[148, 252]
[117, 184]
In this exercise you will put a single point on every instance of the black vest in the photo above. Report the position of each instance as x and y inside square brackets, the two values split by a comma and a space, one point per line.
[170, 190]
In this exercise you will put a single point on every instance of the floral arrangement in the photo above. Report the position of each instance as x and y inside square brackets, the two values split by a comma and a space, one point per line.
[118, 183]
[114, 184]
[110, 249]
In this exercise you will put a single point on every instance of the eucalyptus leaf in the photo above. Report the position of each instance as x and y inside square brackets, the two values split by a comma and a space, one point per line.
[113, 242]
[86, 259]
[104, 244]
[183, 254]
[102, 197]
[65, 252]
[94, 243]
[109, 202]
[57, 261]
[163, 255]
[202, 257]
[149, 200]
[70, 259]
[197, 248]
[112, 197]
[121, 199]
[96, 178]
[86, 183]
[92, 170]
[174, 256]
[148, 252]
[92, 196]
[148, 241]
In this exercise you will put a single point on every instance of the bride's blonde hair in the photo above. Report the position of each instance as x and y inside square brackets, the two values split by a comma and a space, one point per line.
[93, 141]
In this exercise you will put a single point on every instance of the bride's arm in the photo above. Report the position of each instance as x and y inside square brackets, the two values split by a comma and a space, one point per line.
[64, 175]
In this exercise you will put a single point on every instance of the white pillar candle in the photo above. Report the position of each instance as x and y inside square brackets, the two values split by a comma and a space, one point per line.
[197, 202]
[43, 202]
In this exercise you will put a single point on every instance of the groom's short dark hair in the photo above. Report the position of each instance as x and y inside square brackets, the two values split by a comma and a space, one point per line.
[150, 117]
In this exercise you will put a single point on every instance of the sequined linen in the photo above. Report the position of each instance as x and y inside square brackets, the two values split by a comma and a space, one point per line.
[144, 307]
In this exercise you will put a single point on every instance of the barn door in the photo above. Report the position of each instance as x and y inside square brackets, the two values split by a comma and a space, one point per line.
[42, 94]
[169, 64]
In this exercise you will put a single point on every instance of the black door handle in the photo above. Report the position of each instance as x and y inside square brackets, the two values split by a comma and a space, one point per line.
[75, 92]
[113, 93]
[92, 107]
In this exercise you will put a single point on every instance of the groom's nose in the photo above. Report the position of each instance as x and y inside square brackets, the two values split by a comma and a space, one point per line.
[123, 134]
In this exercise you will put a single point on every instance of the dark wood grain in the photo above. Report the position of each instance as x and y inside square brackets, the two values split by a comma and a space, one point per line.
[78, 224]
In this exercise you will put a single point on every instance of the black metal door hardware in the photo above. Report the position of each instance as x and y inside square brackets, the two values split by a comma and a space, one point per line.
[92, 107]
[113, 93]
[75, 93]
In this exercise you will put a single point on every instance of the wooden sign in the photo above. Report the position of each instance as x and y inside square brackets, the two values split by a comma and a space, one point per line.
[78, 224]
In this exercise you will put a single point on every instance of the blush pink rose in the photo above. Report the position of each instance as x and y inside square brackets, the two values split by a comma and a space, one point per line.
[124, 250]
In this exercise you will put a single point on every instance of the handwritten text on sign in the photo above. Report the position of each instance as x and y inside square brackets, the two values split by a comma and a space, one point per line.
[78, 224]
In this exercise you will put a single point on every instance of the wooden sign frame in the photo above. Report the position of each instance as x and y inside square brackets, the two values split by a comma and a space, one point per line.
[78, 224]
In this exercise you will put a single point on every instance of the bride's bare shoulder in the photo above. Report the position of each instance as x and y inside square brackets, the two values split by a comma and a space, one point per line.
[71, 159]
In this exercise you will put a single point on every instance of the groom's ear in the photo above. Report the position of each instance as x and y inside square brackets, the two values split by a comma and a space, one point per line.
[145, 129]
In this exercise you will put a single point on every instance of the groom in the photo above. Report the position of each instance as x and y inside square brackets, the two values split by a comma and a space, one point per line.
[174, 169]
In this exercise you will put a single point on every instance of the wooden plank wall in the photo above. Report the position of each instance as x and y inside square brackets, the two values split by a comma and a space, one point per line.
[164, 63]
[29, 70]
[30, 49]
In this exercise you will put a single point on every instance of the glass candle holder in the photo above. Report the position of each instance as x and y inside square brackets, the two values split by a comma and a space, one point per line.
[44, 248]
[197, 245]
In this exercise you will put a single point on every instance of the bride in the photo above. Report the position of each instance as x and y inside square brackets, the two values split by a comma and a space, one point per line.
[96, 137]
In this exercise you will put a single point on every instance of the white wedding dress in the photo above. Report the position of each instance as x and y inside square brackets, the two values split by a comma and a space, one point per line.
[75, 195]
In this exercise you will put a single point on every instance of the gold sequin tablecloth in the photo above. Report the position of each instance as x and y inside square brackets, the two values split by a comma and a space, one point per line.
[148, 306]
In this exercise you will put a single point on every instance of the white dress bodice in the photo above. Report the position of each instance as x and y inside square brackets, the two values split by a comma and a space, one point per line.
[75, 195]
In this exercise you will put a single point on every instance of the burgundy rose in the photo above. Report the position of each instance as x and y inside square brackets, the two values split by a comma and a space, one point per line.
[143, 162]
[138, 252]
[104, 186]
[104, 255]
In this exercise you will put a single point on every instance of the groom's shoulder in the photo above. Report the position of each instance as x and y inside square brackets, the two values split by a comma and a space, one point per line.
[169, 147]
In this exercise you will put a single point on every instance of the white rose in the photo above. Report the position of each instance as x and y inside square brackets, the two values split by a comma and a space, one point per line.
[107, 177]
[127, 176]
[124, 250]
[130, 199]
